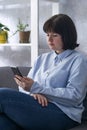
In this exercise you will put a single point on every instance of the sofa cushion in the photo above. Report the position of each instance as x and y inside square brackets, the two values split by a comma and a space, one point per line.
[82, 126]
[7, 76]
[24, 70]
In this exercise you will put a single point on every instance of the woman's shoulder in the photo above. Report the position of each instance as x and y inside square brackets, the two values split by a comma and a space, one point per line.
[43, 55]
[80, 55]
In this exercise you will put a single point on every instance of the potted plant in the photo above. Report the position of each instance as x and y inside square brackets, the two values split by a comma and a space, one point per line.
[23, 34]
[3, 33]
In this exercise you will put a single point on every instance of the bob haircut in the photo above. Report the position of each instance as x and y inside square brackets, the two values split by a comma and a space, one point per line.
[63, 25]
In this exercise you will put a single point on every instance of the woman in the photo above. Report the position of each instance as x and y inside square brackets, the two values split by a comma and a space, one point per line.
[56, 84]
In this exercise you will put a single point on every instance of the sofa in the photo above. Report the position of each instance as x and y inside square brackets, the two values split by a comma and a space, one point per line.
[7, 76]
[7, 80]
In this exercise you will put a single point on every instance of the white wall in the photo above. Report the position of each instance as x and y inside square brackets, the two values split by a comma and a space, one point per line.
[77, 10]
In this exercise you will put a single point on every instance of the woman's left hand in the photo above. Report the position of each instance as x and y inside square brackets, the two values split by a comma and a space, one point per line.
[41, 99]
[24, 82]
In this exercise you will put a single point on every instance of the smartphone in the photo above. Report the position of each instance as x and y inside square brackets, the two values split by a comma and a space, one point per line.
[16, 71]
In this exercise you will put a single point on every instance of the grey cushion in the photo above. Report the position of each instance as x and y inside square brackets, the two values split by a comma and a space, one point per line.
[83, 126]
[7, 76]
[24, 70]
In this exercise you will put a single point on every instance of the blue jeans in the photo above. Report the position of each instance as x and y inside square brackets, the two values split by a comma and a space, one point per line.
[21, 111]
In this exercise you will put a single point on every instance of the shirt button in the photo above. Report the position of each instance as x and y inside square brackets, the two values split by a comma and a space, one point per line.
[47, 73]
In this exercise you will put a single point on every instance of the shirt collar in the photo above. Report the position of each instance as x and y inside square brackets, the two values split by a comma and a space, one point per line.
[63, 55]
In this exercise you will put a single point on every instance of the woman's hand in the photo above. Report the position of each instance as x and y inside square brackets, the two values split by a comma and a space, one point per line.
[24, 82]
[41, 99]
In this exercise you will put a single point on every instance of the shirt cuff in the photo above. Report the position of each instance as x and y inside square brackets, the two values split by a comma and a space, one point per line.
[35, 88]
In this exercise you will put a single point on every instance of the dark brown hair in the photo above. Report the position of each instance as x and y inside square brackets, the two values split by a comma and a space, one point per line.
[63, 25]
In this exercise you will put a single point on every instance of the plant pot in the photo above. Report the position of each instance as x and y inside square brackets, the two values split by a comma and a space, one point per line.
[24, 36]
[3, 37]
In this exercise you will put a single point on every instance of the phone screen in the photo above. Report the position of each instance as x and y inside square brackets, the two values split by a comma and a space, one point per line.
[16, 71]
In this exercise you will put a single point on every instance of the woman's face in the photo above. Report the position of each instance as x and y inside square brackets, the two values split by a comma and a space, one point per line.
[55, 42]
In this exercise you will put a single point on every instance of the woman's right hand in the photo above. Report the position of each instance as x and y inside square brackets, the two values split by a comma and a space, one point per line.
[41, 99]
[24, 82]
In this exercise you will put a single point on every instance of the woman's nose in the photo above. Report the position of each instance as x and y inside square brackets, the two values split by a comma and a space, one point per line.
[50, 38]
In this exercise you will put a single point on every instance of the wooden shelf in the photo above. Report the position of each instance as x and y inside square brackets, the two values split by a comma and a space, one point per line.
[16, 44]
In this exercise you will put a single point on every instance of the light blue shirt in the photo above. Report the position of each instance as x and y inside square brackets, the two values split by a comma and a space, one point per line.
[62, 78]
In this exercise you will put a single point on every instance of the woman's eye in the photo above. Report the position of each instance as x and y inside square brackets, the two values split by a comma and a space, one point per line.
[47, 35]
[55, 35]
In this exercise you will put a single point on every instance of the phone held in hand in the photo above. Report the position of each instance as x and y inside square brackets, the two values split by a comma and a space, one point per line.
[16, 71]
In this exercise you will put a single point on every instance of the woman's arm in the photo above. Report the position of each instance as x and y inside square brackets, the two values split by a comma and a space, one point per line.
[75, 89]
